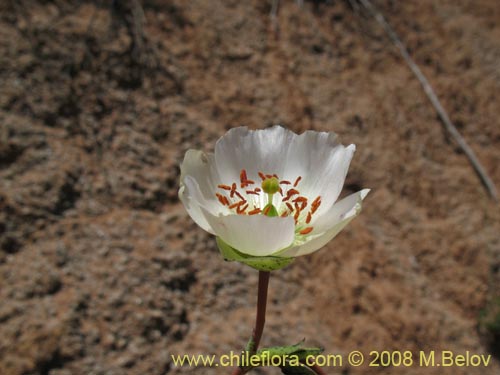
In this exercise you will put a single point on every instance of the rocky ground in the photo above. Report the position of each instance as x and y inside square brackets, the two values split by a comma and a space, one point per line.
[103, 272]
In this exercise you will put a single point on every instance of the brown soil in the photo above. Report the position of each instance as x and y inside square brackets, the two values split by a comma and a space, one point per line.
[102, 271]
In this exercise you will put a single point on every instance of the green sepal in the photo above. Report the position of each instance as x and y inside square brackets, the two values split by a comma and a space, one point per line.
[303, 353]
[250, 346]
[266, 263]
[294, 355]
[278, 351]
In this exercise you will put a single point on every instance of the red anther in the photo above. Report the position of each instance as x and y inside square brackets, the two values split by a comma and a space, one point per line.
[269, 176]
[297, 212]
[257, 190]
[285, 182]
[297, 181]
[262, 176]
[243, 178]
[275, 175]
[309, 217]
[239, 195]
[290, 193]
[225, 187]
[284, 214]
[255, 211]
[306, 230]
[251, 192]
[233, 190]
[241, 210]
[237, 204]
[290, 207]
[222, 199]
[281, 192]
[300, 199]
[315, 204]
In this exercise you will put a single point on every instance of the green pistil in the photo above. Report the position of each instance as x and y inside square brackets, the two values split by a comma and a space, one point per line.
[270, 186]
[270, 210]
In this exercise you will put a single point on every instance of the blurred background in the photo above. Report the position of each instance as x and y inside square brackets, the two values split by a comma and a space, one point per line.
[103, 272]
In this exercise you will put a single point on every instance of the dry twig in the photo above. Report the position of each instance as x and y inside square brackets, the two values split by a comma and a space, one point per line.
[488, 183]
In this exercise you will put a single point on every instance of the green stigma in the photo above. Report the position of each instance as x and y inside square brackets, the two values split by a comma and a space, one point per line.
[271, 185]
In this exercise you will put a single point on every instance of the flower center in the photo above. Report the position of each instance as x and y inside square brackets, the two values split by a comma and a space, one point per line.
[246, 198]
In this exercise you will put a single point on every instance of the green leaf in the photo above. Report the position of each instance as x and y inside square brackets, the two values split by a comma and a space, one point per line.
[268, 263]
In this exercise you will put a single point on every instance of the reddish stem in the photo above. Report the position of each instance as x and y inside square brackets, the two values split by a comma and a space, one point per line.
[260, 318]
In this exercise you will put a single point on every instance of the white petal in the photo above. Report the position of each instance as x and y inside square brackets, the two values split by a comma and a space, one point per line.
[199, 178]
[193, 200]
[201, 167]
[322, 162]
[342, 209]
[331, 224]
[255, 151]
[257, 235]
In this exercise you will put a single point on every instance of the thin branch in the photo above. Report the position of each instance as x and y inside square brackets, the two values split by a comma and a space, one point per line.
[487, 182]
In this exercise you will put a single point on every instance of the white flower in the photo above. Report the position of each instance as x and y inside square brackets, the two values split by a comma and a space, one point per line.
[223, 192]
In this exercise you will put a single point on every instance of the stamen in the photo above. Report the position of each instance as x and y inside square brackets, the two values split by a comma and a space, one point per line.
[297, 181]
[244, 179]
[239, 195]
[255, 211]
[295, 203]
[222, 199]
[300, 200]
[315, 204]
[237, 204]
[241, 210]
[290, 193]
[306, 230]
[297, 213]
